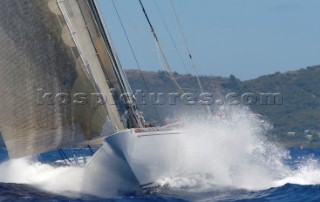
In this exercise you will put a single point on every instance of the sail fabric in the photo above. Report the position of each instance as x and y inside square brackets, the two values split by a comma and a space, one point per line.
[51, 79]
[2, 145]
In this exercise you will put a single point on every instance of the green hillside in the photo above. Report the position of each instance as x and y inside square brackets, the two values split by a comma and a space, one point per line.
[295, 113]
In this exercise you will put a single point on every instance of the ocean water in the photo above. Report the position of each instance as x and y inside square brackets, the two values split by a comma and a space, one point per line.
[225, 158]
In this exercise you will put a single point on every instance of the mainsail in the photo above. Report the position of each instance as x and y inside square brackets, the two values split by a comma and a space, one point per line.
[57, 75]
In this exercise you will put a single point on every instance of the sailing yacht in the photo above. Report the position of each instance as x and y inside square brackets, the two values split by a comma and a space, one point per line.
[62, 86]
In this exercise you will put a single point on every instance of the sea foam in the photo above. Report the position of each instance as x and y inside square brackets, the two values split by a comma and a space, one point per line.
[226, 149]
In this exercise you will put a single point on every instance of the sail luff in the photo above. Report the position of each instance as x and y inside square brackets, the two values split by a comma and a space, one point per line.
[81, 36]
[121, 79]
[42, 70]
[120, 82]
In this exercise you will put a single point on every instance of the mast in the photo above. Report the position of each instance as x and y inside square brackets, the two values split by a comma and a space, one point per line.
[125, 89]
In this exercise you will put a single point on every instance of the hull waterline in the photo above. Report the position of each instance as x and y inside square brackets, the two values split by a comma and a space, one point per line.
[140, 159]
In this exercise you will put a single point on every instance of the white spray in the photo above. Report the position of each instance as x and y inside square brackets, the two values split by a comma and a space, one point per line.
[226, 150]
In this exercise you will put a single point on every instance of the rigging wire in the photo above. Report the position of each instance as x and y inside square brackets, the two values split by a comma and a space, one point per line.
[128, 41]
[90, 148]
[65, 162]
[134, 56]
[64, 156]
[186, 45]
[129, 18]
[170, 35]
[75, 157]
[162, 66]
[143, 36]
[169, 70]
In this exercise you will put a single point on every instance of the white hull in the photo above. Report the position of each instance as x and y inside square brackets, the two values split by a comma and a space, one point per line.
[135, 158]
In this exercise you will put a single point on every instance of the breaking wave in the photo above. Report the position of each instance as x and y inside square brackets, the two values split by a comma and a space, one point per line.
[230, 150]
[226, 150]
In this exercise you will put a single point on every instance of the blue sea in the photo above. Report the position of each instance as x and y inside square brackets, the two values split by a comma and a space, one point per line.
[220, 159]
[305, 188]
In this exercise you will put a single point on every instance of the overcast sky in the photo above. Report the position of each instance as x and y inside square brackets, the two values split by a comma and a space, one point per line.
[246, 38]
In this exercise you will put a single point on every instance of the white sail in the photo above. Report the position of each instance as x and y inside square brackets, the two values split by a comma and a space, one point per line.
[47, 47]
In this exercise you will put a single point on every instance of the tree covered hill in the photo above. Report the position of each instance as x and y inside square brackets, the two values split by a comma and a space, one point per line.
[295, 115]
